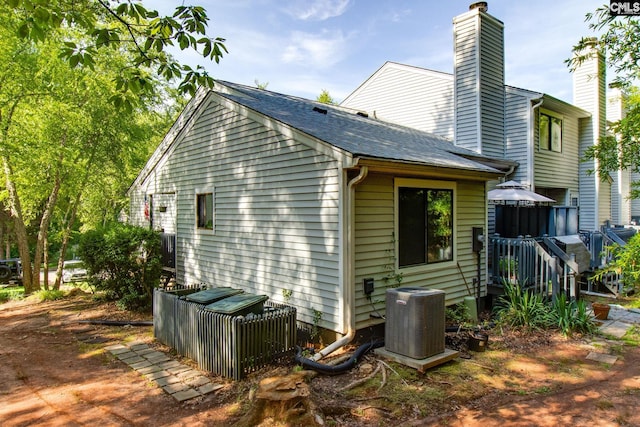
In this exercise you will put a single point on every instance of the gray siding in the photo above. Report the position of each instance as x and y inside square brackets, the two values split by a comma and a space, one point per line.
[590, 94]
[635, 203]
[479, 83]
[276, 212]
[558, 170]
[588, 183]
[410, 96]
[375, 247]
[517, 135]
[621, 205]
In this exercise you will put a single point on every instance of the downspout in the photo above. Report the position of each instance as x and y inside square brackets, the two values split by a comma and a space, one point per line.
[532, 130]
[350, 287]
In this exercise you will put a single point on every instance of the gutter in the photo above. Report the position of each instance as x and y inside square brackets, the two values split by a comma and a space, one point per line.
[350, 287]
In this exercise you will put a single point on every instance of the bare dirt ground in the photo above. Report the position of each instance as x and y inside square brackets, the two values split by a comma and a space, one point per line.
[54, 372]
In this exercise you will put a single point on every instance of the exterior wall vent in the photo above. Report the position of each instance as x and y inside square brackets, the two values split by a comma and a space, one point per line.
[415, 322]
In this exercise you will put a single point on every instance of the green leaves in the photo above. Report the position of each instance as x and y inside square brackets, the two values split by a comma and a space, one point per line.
[130, 27]
[619, 38]
[124, 261]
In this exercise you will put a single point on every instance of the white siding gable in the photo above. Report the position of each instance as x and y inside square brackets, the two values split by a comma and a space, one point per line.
[410, 96]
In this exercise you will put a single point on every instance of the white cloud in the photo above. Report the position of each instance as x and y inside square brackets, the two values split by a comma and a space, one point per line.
[319, 50]
[317, 10]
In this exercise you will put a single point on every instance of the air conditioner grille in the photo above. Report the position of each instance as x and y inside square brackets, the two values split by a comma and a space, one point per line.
[415, 322]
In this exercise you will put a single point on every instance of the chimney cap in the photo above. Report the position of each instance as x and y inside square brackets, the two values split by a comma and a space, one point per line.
[482, 5]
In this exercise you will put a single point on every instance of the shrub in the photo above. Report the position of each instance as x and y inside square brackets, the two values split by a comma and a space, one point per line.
[520, 308]
[627, 262]
[457, 314]
[124, 261]
[11, 294]
[572, 316]
[49, 295]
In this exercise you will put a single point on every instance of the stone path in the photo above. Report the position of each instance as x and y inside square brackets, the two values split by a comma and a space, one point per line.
[618, 322]
[177, 379]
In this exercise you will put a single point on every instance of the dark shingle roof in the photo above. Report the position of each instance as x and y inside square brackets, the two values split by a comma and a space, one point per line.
[353, 133]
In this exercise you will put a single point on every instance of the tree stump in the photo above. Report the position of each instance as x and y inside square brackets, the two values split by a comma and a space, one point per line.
[284, 399]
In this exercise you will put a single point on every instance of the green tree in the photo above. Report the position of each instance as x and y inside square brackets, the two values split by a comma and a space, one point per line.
[325, 98]
[260, 85]
[619, 39]
[128, 26]
[63, 139]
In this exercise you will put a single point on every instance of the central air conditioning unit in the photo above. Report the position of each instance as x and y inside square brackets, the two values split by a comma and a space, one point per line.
[415, 322]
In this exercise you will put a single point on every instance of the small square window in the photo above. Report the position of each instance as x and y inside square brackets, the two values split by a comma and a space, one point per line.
[204, 211]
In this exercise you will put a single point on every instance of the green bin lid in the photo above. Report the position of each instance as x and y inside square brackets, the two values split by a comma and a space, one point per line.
[237, 303]
[211, 295]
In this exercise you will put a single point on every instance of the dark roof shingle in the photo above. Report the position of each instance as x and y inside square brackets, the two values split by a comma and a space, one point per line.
[361, 136]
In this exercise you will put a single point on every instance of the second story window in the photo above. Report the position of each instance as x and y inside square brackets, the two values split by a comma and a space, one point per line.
[550, 132]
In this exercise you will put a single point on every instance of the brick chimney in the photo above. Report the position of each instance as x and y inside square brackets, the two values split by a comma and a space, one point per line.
[479, 96]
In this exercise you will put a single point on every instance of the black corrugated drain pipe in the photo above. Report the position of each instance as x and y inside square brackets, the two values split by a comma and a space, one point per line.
[340, 368]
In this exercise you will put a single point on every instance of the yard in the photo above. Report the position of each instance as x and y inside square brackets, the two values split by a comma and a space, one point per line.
[56, 372]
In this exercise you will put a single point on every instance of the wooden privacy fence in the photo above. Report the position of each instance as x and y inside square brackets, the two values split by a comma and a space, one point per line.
[524, 261]
[231, 346]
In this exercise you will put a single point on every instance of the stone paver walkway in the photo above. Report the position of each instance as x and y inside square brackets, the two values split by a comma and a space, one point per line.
[177, 379]
[618, 322]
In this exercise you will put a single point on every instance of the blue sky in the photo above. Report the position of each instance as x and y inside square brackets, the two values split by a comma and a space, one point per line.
[300, 47]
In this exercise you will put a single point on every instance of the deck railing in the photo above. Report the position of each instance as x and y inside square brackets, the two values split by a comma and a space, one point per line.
[526, 262]
[600, 245]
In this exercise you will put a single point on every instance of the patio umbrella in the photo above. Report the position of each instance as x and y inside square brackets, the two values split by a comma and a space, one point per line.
[514, 193]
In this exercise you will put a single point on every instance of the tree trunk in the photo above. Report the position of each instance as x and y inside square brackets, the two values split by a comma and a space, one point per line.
[44, 230]
[2, 234]
[46, 262]
[20, 230]
[66, 235]
[286, 399]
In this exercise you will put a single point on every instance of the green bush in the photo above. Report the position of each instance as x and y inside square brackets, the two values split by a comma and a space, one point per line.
[124, 261]
[520, 308]
[49, 295]
[457, 314]
[627, 262]
[7, 294]
[572, 316]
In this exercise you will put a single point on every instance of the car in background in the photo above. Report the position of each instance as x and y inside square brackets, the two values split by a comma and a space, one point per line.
[74, 271]
[10, 271]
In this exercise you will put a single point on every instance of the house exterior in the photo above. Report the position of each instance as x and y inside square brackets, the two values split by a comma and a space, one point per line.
[303, 201]
[547, 137]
